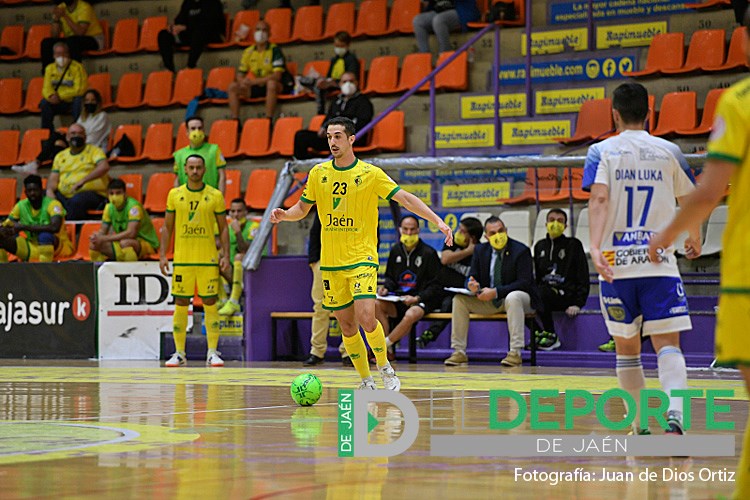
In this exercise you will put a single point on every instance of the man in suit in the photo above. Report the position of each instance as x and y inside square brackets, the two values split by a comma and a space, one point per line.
[501, 280]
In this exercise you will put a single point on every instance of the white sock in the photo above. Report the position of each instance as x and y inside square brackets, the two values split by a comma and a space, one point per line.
[630, 375]
[672, 374]
[388, 342]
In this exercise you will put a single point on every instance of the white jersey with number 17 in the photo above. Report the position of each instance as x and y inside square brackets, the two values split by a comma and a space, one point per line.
[644, 175]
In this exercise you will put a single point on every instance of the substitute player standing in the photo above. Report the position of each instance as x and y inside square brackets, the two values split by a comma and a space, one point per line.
[728, 162]
[193, 210]
[634, 179]
[346, 191]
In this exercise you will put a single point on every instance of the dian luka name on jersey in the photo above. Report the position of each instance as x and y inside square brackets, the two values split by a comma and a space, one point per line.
[347, 199]
[644, 174]
[195, 218]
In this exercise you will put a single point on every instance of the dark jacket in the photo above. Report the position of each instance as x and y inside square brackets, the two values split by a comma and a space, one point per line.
[358, 108]
[351, 64]
[414, 274]
[561, 264]
[454, 275]
[204, 15]
[517, 270]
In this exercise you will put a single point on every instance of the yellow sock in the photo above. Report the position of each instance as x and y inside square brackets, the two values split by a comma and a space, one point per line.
[96, 256]
[46, 253]
[179, 331]
[222, 290]
[376, 339]
[357, 350]
[22, 249]
[742, 486]
[237, 273]
[212, 326]
[129, 255]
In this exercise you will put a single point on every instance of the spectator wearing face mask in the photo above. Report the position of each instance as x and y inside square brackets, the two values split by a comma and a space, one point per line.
[215, 175]
[260, 73]
[350, 104]
[65, 81]
[77, 22]
[198, 23]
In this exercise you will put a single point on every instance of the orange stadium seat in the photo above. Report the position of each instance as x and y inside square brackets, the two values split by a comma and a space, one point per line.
[11, 95]
[8, 186]
[259, 188]
[158, 93]
[402, 15]
[31, 145]
[667, 51]
[181, 139]
[187, 86]
[9, 147]
[129, 92]
[299, 184]
[256, 134]
[158, 223]
[578, 193]
[125, 36]
[158, 143]
[414, 67]
[707, 121]
[455, 76]
[383, 75]
[372, 18]
[308, 24]
[389, 134]
[316, 122]
[520, 8]
[706, 50]
[735, 55]
[34, 38]
[233, 187]
[249, 18]
[220, 78]
[103, 83]
[280, 21]
[157, 190]
[82, 250]
[282, 139]
[33, 94]
[135, 134]
[594, 121]
[12, 39]
[150, 33]
[321, 66]
[224, 134]
[340, 17]
[547, 185]
[678, 110]
[133, 185]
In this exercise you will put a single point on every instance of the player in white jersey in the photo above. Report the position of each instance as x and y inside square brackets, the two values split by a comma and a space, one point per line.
[634, 179]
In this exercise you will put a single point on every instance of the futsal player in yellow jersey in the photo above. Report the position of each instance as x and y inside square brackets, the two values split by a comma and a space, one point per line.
[193, 210]
[728, 162]
[346, 191]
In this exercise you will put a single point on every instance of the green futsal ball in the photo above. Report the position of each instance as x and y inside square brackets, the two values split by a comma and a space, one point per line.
[306, 389]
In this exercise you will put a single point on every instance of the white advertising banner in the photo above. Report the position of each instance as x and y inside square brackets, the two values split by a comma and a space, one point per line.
[135, 306]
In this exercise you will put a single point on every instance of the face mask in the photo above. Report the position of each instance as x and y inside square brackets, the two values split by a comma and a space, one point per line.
[340, 51]
[260, 36]
[348, 88]
[117, 199]
[197, 137]
[498, 240]
[409, 240]
[555, 229]
[60, 61]
[90, 108]
[460, 240]
[77, 142]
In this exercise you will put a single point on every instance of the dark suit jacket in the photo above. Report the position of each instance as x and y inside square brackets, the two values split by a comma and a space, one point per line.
[517, 270]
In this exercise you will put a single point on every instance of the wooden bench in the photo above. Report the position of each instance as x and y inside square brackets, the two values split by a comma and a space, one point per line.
[295, 316]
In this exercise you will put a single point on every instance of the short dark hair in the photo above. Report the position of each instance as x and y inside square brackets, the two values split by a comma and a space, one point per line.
[473, 227]
[116, 184]
[239, 200]
[631, 101]
[492, 219]
[408, 217]
[32, 179]
[558, 211]
[347, 123]
[194, 117]
[203, 160]
[343, 36]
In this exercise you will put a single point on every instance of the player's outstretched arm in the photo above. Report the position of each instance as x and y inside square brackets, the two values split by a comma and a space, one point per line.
[298, 211]
[417, 206]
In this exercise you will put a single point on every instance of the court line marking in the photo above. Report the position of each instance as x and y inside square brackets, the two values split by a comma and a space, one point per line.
[127, 435]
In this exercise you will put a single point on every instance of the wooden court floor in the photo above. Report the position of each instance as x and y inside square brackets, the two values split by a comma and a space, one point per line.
[135, 430]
